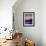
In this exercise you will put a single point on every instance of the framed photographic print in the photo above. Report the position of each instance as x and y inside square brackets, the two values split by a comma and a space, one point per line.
[28, 19]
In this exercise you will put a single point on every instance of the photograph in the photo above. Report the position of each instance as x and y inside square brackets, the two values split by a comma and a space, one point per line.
[28, 19]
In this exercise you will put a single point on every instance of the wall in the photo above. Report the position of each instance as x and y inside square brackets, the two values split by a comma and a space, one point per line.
[43, 22]
[33, 33]
[6, 13]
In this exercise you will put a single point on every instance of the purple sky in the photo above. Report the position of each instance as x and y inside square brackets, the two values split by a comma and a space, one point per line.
[28, 16]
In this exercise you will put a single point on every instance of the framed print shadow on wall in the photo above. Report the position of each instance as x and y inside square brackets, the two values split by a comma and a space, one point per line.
[28, 19]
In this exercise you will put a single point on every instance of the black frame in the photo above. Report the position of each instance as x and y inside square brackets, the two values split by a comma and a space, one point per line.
[33, 19]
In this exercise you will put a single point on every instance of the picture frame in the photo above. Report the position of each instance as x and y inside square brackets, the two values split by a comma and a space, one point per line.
[28, 19]
[13, 22]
